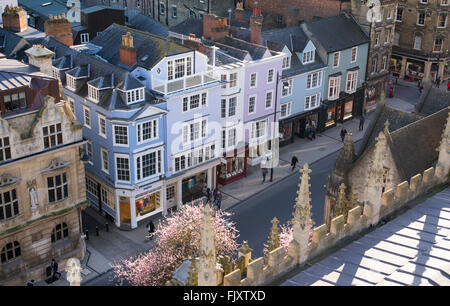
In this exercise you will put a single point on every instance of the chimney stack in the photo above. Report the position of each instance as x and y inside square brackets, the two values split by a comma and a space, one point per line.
[60, 28]
[239, 12]
[256, 25]
[214, 27]
[41, 57]
[128, 53]
[14, 18]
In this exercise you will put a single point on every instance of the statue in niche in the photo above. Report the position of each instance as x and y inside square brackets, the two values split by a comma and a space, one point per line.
[34, 198]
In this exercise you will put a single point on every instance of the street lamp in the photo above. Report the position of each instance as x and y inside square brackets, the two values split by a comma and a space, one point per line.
[285, 86]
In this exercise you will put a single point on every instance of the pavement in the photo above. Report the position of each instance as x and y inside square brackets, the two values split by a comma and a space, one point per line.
[108, 247]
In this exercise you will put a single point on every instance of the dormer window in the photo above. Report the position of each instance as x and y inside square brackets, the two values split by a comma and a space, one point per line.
[179, 68]
[287, 62]
[308, 57]
[71, 82]
[56, 73]
[135, 95]
[93, 93]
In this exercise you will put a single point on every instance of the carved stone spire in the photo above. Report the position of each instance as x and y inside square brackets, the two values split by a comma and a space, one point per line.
[274, 236]
[443, 165]
[207, 262]
[193, 273]
[73, 269]
[345, 159]
[302, 221]
[375, 180]
[302, 213]
[341, 203]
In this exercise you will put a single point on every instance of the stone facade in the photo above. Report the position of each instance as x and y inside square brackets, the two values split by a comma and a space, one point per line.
[43, 192]
[381, 32]
[422, 40]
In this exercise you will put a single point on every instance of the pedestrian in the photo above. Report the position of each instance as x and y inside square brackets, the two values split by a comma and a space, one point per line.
[218, 200]
[438, 82]
[215, 194]
[208, 195]
[54, 266]
[343, 133]
[30, 283]
[150, 229]
[361, 123]
[294, 161]
[448, 85]
[313, 129]
[264, 173]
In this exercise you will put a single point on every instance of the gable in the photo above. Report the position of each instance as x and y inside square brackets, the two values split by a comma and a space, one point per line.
[149, 112]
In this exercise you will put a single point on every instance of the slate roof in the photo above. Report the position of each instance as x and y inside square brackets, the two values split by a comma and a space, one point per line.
[56, 7]
[189, 26]
[64, 62]
[11, 80]
[81, 71]
[414, 145]
[12, 45]
[110, 99]
[437, 99]
[337, 33]
[103, 82]
[256, 51]
[148, 24]
[97, 8]
[150, 48]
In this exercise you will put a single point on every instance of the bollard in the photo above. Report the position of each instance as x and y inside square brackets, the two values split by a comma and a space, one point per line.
[107, 227]
[86, 232]
[96, 231]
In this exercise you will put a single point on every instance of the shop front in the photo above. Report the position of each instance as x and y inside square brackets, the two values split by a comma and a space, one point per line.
[341, 110]
[286, 129]
[373, 92]
[395, 65]
[232, 168]
[414, 70]
[299, 126]
[148, 204]
[192, 187]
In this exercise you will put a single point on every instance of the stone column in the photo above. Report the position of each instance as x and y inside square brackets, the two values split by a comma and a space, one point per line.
[403, 69]
[441, 71]
[207, 262]
[117, 198]
[133, 212]
[427, 72]
[164, 199]
[210, 177]
[179, 193]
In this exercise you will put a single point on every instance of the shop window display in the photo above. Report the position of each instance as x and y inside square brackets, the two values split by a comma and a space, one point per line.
[331, 115]
[148, 204]
[348, 110]
[233, 167]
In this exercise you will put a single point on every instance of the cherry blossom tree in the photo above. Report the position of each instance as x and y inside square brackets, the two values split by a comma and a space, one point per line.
[177, 237]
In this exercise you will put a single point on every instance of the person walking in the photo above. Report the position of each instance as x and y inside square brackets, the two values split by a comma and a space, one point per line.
[294, 161]
[438, 82]
[54, 266]
[30, 283]
[218, 201]
[208, 195]
[313, 129]
[361, 123]
[448, 85]
[150, 229]
[343, 133]
[264, 173]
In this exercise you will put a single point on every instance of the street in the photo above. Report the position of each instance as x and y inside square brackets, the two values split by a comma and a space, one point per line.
[253, 215]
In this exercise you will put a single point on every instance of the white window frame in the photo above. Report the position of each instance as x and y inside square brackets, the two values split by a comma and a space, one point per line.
[71, 82]
[201, 96]
[102, 151]
[418, 18]
[271, 99]
[100, 117]
[310, 78]
[233, 81]
[89, 152]
[338, 60]
[337, 88]
[353, 82]
[401, 15]
[86, 109]
[286, 62]
[135, 95]
[159, 164]
[114, 135]
[288, 106]
[289, 90]
[124, 156]
[269, 79]
[373, 68]
[254, 108]
[446, 17]
[84, 38]
[154, 130]
[256, 80]
[189, 130]
[356, 55]
[254, 129]
[308, 100]
[93, 93]
[308, 57]
[387, 36]
[71, 102]
[377, 39]
[417, 38]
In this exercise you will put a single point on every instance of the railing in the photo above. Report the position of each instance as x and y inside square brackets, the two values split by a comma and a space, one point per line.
[168, 87]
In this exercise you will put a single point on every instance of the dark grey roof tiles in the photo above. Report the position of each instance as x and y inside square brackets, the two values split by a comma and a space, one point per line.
[189, 26]
[150, 48]
[257, 52]
[103, 82]
[130, 83]
[12, 45]
[148, 24]
[326, 32]
[82, 71]
[64, 62]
